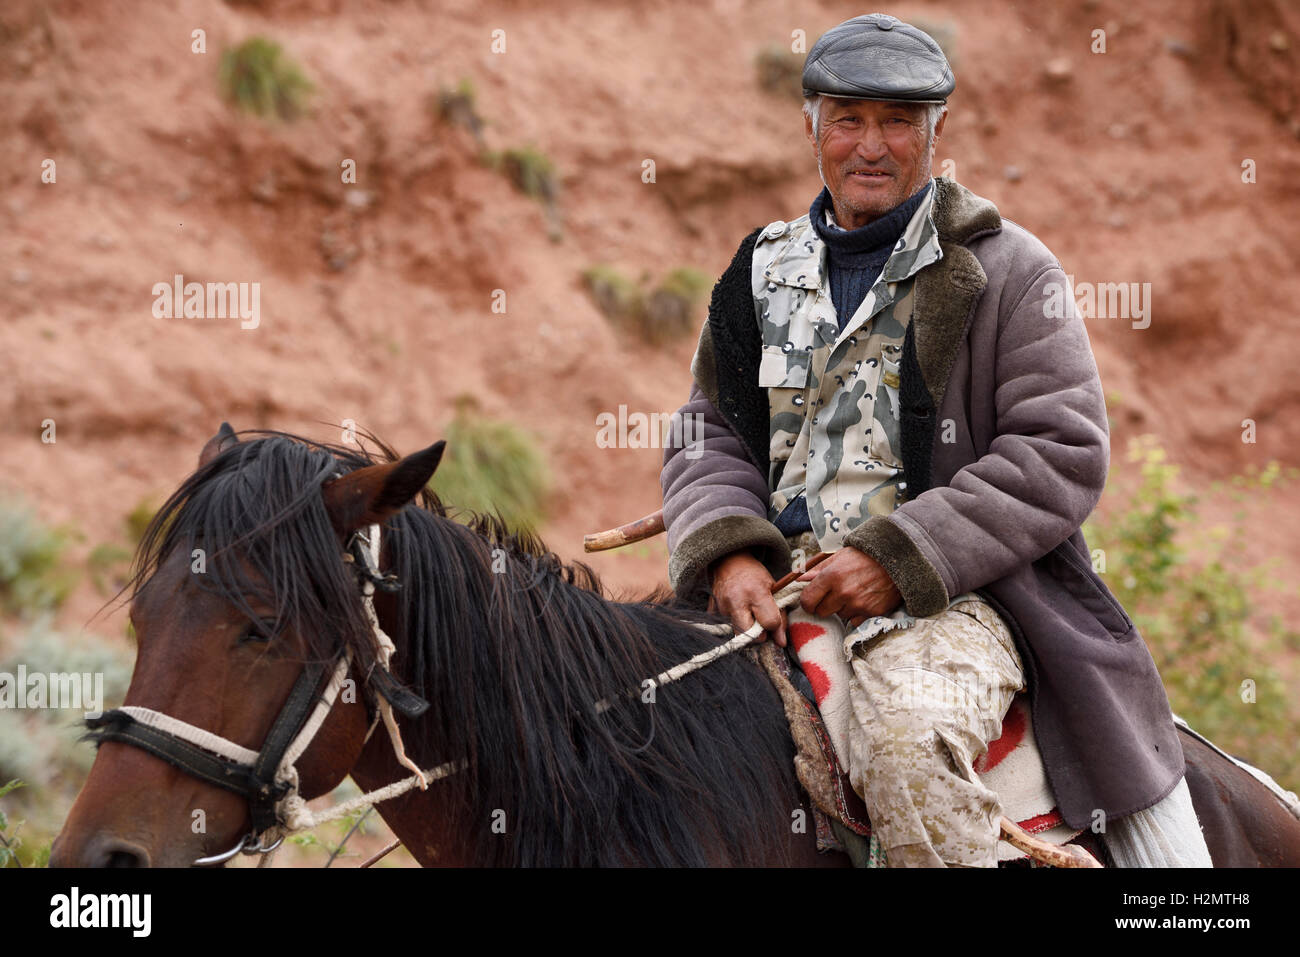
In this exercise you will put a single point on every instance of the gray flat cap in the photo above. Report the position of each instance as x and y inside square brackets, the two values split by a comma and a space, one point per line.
[876, 57]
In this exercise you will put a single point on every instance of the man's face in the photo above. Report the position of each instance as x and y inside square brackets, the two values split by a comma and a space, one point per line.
[872, 155]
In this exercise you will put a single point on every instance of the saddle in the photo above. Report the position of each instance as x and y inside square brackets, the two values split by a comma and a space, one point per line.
[1012, 766]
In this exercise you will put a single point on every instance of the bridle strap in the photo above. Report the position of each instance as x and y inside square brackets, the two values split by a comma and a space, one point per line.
[121, 726]
[259, 777]
[292, 716]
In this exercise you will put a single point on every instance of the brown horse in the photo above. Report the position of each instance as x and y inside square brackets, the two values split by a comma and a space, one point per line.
[246, 591]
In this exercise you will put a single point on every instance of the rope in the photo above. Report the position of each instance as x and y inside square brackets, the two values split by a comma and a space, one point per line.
[299, 817]
[785, 597]
[386, 650]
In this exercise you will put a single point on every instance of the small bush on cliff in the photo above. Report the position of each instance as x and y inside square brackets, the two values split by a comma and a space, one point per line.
[618, 297]
[457, 107]
[780, 70]
[492, 466]
[656, 317]
[532, 172]
[670, 308]
[258, 77]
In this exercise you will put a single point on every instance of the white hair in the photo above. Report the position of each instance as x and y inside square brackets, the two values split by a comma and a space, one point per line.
[812, 108]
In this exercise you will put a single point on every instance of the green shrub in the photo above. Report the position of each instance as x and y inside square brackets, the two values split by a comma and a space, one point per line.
[33, 575]
[492, 466]
[10, 841]
[1191, 588]
[533, 174]
[138, 519]
[670, 309]
[531, 171]
[258, 77]
[40, 745]
[618, 297]
[663, 314]
[458, 108]
[780, 70]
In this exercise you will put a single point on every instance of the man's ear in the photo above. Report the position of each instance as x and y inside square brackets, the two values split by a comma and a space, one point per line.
[938, 129]
[224, 438]
[369, 496]
[808, 130]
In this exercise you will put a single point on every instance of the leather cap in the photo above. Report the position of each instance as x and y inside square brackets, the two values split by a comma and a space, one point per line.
[877, 57]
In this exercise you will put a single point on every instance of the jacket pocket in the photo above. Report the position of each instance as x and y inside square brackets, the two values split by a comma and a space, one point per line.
[779, 369]
[1079, 579]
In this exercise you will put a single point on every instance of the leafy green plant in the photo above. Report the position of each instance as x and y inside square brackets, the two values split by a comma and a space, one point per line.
[1191, 590]
[33, 574]
[260, 78]
[492, 466]
[9, 843]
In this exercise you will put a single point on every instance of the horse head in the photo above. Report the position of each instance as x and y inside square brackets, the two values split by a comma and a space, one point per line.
[242, 582]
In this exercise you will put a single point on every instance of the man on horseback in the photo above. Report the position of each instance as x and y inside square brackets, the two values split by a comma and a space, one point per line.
[882, 373]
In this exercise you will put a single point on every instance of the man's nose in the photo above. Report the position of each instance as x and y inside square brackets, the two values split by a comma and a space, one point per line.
[871, 145]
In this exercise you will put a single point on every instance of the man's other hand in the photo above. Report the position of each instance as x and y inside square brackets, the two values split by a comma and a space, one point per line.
[742, 591]
[850, 584]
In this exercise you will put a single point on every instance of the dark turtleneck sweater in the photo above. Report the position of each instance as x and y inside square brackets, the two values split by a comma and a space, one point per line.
[856, 256]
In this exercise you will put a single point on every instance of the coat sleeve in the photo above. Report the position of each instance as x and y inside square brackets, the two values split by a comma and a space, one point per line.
[715, 500]
[1041, 477]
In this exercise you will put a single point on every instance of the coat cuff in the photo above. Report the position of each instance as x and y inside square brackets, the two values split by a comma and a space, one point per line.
[917, 580]
[688, 566]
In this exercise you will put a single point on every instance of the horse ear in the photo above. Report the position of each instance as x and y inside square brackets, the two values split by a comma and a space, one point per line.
[224, 438]
[370, 495]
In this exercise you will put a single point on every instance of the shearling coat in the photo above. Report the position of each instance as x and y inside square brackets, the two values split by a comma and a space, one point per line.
[1005, 447]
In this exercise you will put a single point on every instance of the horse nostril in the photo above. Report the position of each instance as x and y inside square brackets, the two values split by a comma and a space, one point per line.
[118, 853]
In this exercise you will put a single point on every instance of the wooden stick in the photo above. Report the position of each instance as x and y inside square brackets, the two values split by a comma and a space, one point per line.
[808, 566]
[1064, 855]
[638, 531]
[381, 854]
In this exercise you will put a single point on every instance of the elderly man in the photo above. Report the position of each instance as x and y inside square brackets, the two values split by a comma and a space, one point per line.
[881, 374]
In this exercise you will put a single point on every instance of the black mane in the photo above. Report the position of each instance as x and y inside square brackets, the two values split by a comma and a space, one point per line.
[513, 648]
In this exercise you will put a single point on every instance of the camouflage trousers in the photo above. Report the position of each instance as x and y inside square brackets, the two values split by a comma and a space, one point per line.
[926, 697]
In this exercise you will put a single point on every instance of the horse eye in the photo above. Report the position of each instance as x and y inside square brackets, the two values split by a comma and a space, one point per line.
[262, 630]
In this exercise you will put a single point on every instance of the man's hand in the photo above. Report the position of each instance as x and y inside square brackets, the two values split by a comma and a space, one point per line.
[850, 584]
[742, 590]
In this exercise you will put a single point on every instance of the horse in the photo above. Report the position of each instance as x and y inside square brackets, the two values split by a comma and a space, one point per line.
[510, 666]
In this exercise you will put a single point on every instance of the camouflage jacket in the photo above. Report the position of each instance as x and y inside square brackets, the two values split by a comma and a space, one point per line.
[832, 393]
[1003, 443]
